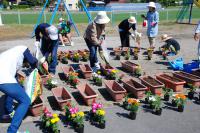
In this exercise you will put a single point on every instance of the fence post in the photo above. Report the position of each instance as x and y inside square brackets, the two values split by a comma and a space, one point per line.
[167, 16]
[19, 17]
[45, 17]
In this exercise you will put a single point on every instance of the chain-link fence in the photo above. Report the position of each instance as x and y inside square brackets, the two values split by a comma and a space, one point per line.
[30, 17]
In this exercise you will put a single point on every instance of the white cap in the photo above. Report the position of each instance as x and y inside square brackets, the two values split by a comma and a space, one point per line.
[53, 32]
[151, 4]
[101, 18]
[132, 20]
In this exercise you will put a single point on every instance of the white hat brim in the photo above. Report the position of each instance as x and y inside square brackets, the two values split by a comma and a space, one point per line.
[132, 22]
[167, 38]
[102, 21]
[151, 6]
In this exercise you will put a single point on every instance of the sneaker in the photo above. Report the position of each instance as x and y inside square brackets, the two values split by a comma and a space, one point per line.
[7, 118]
[72, 43]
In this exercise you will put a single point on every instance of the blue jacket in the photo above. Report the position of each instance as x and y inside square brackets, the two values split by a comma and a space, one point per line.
[152, 17]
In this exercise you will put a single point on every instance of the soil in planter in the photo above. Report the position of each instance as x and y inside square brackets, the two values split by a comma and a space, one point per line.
[37, 101]
[170, 78]
[187, 75]
[132, 83]
[151, 81]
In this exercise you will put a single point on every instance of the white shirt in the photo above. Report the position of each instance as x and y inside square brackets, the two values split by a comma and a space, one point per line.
[10, 61]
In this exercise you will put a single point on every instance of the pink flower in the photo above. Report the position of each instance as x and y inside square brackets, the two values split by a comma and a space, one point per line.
[94, 110]
[49, 115]
[100, 106]
[46, 110]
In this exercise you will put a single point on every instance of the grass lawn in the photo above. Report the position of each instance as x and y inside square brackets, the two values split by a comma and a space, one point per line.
[81, 17]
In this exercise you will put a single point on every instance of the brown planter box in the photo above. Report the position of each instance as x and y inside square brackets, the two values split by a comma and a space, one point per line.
[117, 51]
[196, 72]
[153, 84]
[129, 66]
[62, 96]
[105, 68]
[36, 109]
[116, 91]
[88, 94]
[86, 70]
[67, 69]
[188, 78]
[135, 87]
[171, 82]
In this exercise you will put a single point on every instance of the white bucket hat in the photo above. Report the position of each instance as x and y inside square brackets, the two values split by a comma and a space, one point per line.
[61, 19]
[151, 4]
[132, 20]
[165, 37]
[101, 18]
[53, 32]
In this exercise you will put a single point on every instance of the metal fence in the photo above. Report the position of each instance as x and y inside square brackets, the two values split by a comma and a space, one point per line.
[30, 17]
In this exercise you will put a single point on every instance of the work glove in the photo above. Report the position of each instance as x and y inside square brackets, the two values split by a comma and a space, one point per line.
[133, 35]
[37, 43]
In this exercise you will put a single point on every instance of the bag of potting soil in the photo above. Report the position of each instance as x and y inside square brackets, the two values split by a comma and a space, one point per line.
[33, 86]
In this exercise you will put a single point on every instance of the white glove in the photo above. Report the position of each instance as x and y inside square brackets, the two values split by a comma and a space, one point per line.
[42, 60]
[133, 36]
[37, 43]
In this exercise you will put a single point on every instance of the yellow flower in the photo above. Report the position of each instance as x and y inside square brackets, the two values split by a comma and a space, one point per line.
[73, 115]
[53, 121]
[81, 114]
[101, 112]
[98, 72]
[57, 119]
[55, 115]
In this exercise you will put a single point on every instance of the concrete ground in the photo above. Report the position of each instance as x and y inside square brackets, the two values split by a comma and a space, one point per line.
[170, 121]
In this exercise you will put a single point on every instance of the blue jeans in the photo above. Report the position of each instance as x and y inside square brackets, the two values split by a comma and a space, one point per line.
[50, 46]
[14, 91]
[93, 52]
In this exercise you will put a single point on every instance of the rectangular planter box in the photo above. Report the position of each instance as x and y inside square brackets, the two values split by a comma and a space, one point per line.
[67, 69]
[62, 96]
[86, 70]
[88, 94]
[116, 91]
[37, 107]
[188, 78]
[136, 88]
[129, 66]
[153, 84]
[171, 82]
[105, 68]
[196, 72]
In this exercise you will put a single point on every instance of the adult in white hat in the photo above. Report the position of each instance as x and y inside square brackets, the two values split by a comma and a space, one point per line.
[94, 36]
[49, 43]
[171, 45]
[124, 30]
[197, 37]
[152, 18]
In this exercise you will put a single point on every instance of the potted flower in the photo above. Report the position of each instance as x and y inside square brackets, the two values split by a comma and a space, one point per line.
[138, 71]
[67, 112]
[43, 68]
[112, 74]
[127, 55]
[98, 115]
[51, 83]
[179, 101]
[167, 93]
[133, 106]
[76, 57]
[50, 121]
[136, 51]
[78, 121]
[97, 78]
[148, 95]
[156, 104]
[85, 56]
[73, 78]
[191, 91]
[150, 53]
[125, 102]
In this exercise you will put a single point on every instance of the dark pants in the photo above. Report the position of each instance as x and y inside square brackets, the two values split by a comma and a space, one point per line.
[93, 52]
[50, 46]
[124, 37]
[14, 91]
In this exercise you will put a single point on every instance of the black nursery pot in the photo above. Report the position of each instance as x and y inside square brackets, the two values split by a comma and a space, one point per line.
[166, 97]
[64, 61]
[102, 125]
[174, 103]
[180, 108]
[158, 112]
[132, 115]
[117, 57]
[190, 95]
[79, 129]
